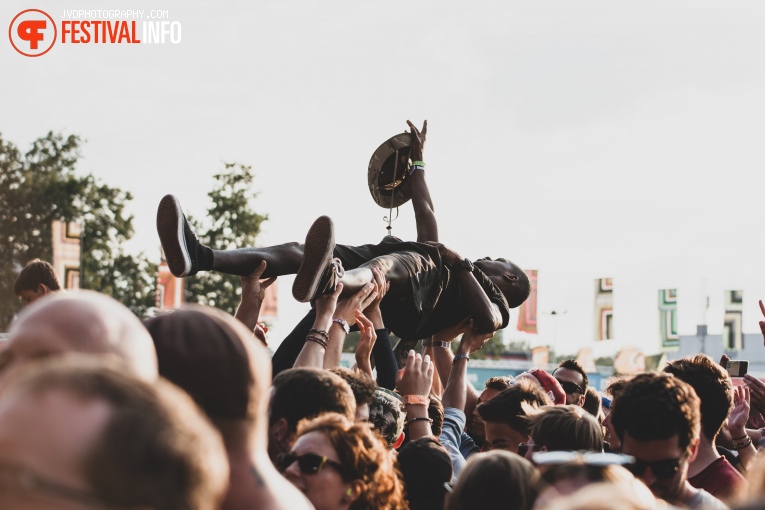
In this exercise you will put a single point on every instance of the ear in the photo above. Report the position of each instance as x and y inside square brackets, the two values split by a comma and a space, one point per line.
[581, 400]
[357, 486]
[693, 450]
[42, 289]
[280, 430]
[510, 276]
[398, 442]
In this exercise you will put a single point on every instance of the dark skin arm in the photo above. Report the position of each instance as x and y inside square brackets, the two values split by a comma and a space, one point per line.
[424, 212]
[485, 314]
[455, 395]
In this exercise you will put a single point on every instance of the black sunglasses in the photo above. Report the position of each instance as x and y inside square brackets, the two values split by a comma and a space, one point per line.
[571, 388]
[661, 469]
[309, 463]
[524, 447]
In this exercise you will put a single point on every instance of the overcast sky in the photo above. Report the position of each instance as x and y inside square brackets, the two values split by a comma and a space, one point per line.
[580, 138]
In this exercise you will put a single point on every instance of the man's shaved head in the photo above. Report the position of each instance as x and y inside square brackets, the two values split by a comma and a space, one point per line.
[85, 322]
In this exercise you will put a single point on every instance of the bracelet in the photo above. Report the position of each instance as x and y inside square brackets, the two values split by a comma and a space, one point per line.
[437, 343]
[422, 400]
[422, 418]
[319, 332]
[311, 338]
[459, 357]
[742, 446]
[343, 324]
[739, 438]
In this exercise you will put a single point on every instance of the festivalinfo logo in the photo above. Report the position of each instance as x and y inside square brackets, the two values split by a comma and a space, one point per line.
[33, 32]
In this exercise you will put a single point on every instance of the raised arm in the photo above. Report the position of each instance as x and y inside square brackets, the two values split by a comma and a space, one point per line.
[253, 294]
[312, 354]
[414, 386]
[485, 314]
[345, 316]
[424, 212]
[454, 395]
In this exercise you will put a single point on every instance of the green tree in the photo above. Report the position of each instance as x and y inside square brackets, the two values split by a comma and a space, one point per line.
[230, 223]
[43, 185]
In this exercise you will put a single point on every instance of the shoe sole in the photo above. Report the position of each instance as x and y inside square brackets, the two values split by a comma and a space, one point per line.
[317, 253]
[170, 223]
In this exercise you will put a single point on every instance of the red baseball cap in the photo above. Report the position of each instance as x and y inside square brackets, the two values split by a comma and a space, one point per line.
[550, 385]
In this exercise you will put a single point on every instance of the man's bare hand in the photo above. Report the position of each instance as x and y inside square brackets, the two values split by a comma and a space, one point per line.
[366, 343]
[757, 392]
[253, 294]
[253, 288]
[416, 377]
[452, 332]
[418, 140]
[325, 307]
[347, 308]
[472, 340]
[372, 311]
[449, 255]
[739, 415]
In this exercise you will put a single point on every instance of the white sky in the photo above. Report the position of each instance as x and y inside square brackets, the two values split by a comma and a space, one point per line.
[580, 138]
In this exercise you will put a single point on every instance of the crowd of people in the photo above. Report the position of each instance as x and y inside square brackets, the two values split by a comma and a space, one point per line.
[187, 410]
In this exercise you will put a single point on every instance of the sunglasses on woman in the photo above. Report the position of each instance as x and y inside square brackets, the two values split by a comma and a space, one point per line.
[661, 469]
[309, 463]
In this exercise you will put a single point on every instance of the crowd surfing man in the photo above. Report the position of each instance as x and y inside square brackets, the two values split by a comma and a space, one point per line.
[431, 286]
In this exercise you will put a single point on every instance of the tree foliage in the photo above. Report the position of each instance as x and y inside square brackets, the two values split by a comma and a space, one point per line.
[230, 223]
[42, 185]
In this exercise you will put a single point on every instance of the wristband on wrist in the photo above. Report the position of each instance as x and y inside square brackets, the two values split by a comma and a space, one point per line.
[459, 357]
[416, 400]
[343, 324]
[739, 438]
[316, 339]
[742, 445]
[319, 332]
[416, 165]
[422, 418]
[437, 343]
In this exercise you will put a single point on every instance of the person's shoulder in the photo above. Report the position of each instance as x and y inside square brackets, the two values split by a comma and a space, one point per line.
[704, 500]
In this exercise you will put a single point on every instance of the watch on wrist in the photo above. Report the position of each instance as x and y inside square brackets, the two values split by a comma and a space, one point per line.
[466, 265]
[343, 324]
[416, 400]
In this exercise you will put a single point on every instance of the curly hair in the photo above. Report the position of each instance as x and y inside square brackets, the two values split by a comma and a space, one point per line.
[363, 457]
[616, 384]
[362, 386]
[499, 382]
[656, 407]
[387, 416]
[712, 385]
[436, 413]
